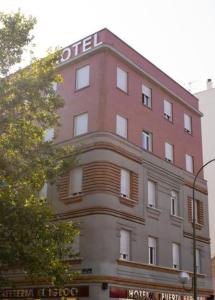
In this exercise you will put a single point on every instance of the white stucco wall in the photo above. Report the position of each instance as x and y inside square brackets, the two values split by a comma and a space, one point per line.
[207, 107]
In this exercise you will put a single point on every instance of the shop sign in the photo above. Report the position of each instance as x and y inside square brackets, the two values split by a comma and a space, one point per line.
[48, 292]
[80, 47]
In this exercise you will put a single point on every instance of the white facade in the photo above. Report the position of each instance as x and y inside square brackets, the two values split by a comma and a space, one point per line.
[207, 107]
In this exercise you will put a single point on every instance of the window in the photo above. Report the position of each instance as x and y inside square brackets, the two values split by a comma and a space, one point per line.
[198, 268]
[169, 152]
[124, 244]
[151, 193]
[147, 140]
[122, 80]
[125, 183]
[44, 191]
[121, 126]
[82, 77]
[76, 176]
[167, 110]
[189, 163]
[174, 203]
[187, 123]
[146, 96]
[175, 256]
[49, 135]
[152, 245]
[81, 124]
[197, 211]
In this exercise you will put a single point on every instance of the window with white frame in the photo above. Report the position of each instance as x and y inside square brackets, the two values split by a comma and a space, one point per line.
[81, 124]
[174, 203]
[122, 126]
[151, 193]
[187, 123]
[76, 177]
[197, 210]
[125, 237]
[122, 80]
[82, 78]
[189, 163]
[147, 140]
[125, 182]
[167, 110]
[48, 135]
[175, 256]
[198, 262]
[169, 152]
[146, 96]
[152, 245]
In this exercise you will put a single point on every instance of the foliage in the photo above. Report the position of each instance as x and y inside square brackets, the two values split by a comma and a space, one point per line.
[30, 239]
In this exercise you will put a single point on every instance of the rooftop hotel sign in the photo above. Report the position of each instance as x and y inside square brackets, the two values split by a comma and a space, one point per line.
[80, 47]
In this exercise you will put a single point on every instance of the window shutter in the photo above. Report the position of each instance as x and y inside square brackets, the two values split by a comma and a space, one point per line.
[198, 261]
[200, 212]
[81, 124]
[146, 91]
[151, 193]
[187, 122]
[168, 109]
[190, 209]
[124, 244]
[189, 163]
[125, 183]
[174, 203]
[121, 126]
[122, 79]
[169, 152]
[175, 255]
[76, 181]
[82, 77]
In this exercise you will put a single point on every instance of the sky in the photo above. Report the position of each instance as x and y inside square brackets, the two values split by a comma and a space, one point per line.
[175, 35]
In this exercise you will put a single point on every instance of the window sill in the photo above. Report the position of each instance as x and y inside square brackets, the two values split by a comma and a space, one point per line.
[72, 199]
[188, 131]
[127, 201]
[176, 220]
[153, 212]
[124, 92]
[198, 226]
[82, 88]
[170, 120]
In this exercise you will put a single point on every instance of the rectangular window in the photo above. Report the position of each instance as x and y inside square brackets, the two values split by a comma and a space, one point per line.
[175, 256]
[147, 140]
[76, 177]
[122, 80]
[121, 126]
[82, 78]
[189, 163]
[197, 211]
[81, 124]
[187, 123]
[152, 245]
[124, 244]
[169, 152]
[167, 110]
[44, 191]
[49, 135]
[125, 182]
[198, 262]
[146, 96]
[174, 203]
[151, 193]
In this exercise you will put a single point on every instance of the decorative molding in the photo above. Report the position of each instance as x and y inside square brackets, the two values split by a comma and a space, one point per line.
[197, 187]
[198, 238]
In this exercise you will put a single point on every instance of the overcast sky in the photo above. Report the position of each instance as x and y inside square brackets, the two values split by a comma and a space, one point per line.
[176, 35]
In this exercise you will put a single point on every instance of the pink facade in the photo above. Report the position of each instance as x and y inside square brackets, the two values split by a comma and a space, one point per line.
[103, 100]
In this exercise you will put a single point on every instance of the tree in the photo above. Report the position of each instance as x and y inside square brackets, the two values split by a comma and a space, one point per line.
[31, 238]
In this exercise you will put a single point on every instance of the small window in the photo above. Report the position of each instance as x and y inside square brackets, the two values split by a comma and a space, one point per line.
[76, 176]
[49, 135]
[198, 261]
[125, 183]
[82, 77]
[189, 163]
[169, 152]
[187, 123]
[167, 110]
[121, 126]
[146, 96]
[147, 140]
[124, 244]
[81, 124]
[174, 203]
[122, 80]
[152, 245]
[197, 211]
[175, 256]
[151, 193]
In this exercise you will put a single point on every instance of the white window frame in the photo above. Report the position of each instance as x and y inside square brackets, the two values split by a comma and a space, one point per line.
[147, 140]
[169, 152]
[80, 127]
[125, 244]
[197, 212]
[122, 126]
[198, 260]
[175, 256]
[187, 123]
[76, 181]
[151, 194]
[122, 79]
[189, 163]
[82, 77]
[125, 183]
[167, 110]
[152, 251]
[146, 96]
[174, 203]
